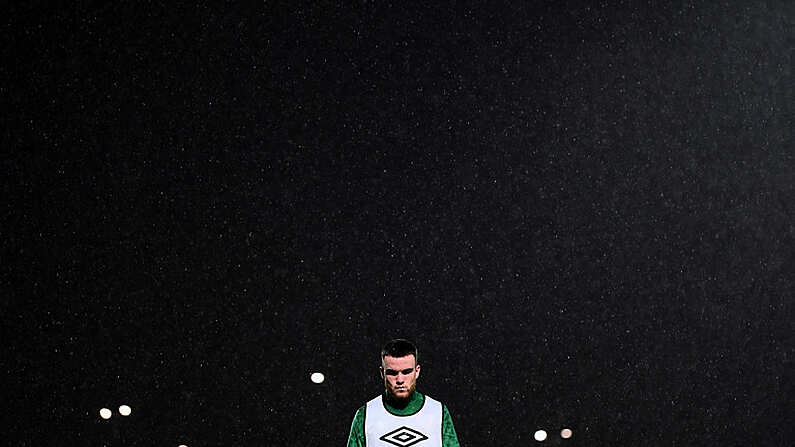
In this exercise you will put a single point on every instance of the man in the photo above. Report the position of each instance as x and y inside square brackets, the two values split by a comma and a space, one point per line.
[401, 416]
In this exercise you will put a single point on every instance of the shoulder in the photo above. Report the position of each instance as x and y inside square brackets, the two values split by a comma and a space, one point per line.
[376, 401]
[356, 436]
[360, 413]
[431, 400]
[432, 404]
[371, 404]
[439, 405]
[359, 417]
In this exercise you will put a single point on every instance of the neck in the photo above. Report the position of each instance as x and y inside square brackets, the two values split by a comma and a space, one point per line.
[404, 407]
[401, 404]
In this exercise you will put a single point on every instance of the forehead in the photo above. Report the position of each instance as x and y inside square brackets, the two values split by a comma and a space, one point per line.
[399, 363]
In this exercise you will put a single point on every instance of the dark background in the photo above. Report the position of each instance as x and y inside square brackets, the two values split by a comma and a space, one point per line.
[582, 214]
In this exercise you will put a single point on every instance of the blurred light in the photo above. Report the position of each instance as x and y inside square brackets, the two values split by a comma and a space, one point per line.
[183, 445]
[104, 413]
[124, 410]
[540, 435]
[317, 377]
[565, 433]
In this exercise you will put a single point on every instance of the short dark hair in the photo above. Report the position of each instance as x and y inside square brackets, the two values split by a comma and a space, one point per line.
[400, 347]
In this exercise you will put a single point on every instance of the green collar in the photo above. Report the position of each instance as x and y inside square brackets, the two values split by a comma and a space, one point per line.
[415, 403]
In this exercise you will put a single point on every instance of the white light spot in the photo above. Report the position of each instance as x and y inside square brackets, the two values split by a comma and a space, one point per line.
[540, 435]
[183, 445]
[317, 377]
[565, 433]
[124, 410]
[104, 413]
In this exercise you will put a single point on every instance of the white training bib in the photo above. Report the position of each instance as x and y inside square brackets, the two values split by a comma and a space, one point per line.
[421, 429]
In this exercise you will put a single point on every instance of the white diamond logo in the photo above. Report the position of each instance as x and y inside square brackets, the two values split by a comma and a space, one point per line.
[403, 437]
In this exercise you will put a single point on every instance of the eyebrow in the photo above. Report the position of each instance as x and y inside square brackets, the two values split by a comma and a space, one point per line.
[392, 372]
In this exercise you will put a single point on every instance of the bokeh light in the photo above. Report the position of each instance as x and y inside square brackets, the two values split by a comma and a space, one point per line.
[540, 435]
[105, 413]
[124, 410]
[317, 377]
[565, 433]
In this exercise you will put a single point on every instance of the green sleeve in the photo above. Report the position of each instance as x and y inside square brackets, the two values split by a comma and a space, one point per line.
[356, 438]
[449, 438]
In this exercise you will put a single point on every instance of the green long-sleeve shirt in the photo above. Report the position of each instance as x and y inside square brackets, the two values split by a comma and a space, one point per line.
[449, 438]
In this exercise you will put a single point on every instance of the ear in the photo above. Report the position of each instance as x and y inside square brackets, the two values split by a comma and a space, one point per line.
[418, 370]
[381, 370]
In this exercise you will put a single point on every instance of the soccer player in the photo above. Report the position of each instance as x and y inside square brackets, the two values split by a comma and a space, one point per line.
[401, 416]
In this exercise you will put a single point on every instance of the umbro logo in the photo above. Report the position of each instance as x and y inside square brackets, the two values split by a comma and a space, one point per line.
[403, 437]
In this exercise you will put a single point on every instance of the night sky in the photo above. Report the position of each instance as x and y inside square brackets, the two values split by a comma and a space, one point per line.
[583, 215]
